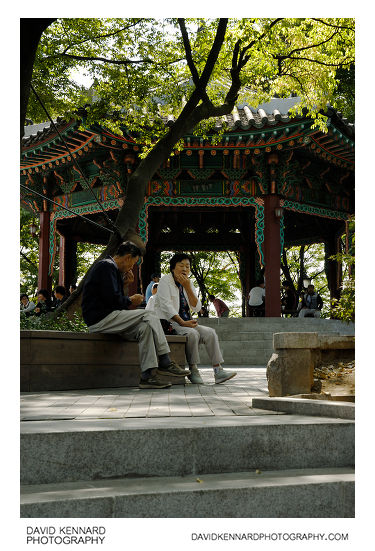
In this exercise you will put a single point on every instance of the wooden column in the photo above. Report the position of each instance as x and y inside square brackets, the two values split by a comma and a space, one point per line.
[67, 261]
[333, 268]
[272, 251]
[44, 280]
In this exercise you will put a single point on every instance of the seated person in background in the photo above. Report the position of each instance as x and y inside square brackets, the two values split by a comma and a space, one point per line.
[44, 303]
[257, 296]
[27, 306]
[105, 309]
[311, 303]
[154, 279]
[175, 298]
[151, 301]
[221, 308]
[289, 299]
[60, 296]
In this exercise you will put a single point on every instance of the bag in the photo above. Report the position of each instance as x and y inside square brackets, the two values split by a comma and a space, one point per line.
[167, 328]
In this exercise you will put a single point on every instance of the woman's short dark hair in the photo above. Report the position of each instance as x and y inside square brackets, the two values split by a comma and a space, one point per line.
[45, 293]
[211, 297]
[178, 257]
[24, 295]
[259, 282]
[128, 247]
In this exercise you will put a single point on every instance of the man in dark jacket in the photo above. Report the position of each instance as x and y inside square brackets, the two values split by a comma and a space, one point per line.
[311, 303]
[105, 309]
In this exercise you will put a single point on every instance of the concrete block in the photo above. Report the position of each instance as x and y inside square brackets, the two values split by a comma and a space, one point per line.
[295, 340]
[336, 342]
[290, 371]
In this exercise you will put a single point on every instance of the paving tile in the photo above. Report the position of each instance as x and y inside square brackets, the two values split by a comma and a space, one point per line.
[209, 399]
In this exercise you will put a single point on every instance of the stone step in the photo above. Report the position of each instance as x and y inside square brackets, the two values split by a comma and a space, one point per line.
[279, 325]
[68, 451]
[303, 493]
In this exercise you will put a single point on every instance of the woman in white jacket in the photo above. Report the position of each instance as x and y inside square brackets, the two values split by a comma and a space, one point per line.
[175, 298]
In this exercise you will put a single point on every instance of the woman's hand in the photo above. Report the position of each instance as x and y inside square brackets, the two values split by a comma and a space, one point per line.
[184, 280]
[189, 323]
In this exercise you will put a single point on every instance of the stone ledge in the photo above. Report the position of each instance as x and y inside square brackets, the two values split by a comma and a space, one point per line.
[300, 406]
[63, 360]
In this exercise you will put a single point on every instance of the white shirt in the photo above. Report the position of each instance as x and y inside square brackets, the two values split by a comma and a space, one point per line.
[167, 299]
[151, 303]
[256, 296]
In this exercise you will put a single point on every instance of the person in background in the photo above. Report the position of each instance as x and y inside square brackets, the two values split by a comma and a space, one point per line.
[60, 296]
[151, 301]
[288, 299]
[175, 298]
[221, 308]
[257, 297]
[44, 303]
[105, 309]
[311, 303]
[27, 306]
[155, 278]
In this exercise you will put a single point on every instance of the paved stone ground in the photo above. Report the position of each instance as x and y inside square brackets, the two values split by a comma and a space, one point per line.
[226, 399]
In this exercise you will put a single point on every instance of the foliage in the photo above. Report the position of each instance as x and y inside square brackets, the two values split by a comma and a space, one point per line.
[344, 308]
[86, 254]
[302, 260]
[73, 322]
[345, 97]
[141, 69]
[28, 254]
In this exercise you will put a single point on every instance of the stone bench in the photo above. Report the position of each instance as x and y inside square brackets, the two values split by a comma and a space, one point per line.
[63, 360]
[290, 369]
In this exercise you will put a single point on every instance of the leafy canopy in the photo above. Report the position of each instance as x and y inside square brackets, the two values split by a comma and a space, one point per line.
[141, 68]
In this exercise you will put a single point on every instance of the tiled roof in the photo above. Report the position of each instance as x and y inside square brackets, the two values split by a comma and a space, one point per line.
[242, 118]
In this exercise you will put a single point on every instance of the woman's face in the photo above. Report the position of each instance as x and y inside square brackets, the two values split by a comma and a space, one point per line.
[41, 298]
[182, 268]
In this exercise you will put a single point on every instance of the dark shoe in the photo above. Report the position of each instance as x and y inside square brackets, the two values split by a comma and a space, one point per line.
[173, 370]
[153, 382]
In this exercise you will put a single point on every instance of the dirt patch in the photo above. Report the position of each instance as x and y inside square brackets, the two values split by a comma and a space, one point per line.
[336, 379]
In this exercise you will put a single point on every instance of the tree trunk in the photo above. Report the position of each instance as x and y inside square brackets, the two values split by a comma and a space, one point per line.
[31, 31]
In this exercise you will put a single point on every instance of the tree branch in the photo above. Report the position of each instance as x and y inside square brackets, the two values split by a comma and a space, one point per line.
[100, 36]
[105, 60]
[332, 25]
[189, 57]
[28, 260]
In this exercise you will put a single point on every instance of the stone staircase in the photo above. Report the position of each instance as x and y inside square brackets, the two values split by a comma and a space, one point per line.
[248, 341]
[266, 466]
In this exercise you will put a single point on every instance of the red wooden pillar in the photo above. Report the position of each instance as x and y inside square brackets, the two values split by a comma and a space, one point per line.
[272, 251]
[62, 261]
[67, 261]
[44, 280]
[333, 267]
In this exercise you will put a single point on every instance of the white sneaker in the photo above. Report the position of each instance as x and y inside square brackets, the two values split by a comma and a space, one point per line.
[221, 376]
